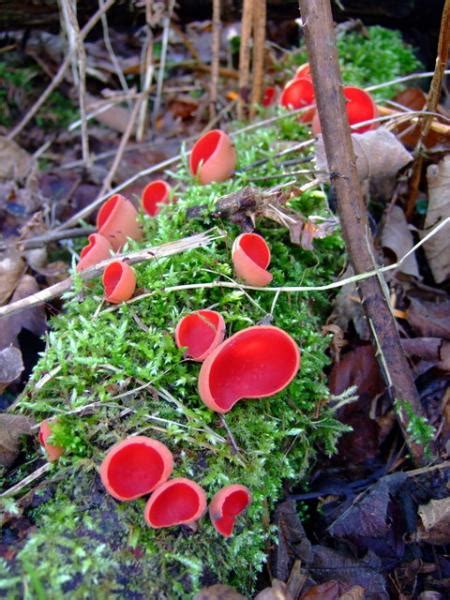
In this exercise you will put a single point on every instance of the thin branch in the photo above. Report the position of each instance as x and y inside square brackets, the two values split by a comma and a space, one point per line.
[259, 39]
[60, 73]
[215, 58]
[162, 61]
[147, 71]
[244, 56]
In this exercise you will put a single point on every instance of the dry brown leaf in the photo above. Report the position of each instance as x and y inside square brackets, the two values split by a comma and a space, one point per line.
[11, 269]
[278, 591]
[356, 593]
[11, 428]
[115, 117]
[435, 517]
[218, 592]
[398, 238]
[437, 248]
[430, 319]
[15, 162]
[378, 154]
[324, 591]
[11, 366]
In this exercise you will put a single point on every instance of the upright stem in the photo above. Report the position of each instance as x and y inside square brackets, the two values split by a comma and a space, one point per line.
[244, 56]
[215, 61]
[321, 44]
[259, 40]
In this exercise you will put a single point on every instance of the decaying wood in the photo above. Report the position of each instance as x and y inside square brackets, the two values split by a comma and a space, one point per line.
[321, 44]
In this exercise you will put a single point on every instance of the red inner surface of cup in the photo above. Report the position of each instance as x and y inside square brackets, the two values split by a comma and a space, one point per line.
[153, 194]
[197, 331]
[359, 106]
[298, 93]
[255, 247]
[179, 502]
[111, 277]
[204, 148]
[135, 469]
[106, 210]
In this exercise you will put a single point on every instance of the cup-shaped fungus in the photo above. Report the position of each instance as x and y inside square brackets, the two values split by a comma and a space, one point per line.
[213, 157]
[135, 466]
[303, 70]
[226, 505]
[251, 257]
[299, 93]
[253, 363]
[119, 282]
[269, 96]
[155, 193]
[359, 106]
[117, 221]
[97, 249]
[53, 452]
[200, 332]
[179, 501]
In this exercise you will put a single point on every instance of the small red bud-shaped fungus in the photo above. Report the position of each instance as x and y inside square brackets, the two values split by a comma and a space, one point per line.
[213, 157]
[269, 96]
[251, 257]
[53, 452]
[97, 249]
[176, 502]
[117, 221]
[135, 466]
[253, 363]
[299, 93]
[226, 505]
[119, 282]
[359, 106]
[200, 332]
[155, 193]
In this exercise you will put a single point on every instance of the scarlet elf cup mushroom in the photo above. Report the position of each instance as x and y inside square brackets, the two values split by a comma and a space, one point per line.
[135, 466]
[299, 93]
[359, 106]
[200, 332]
[250, 255]
[179, 501]
[227, 504]
[97, 249]
[119, 282]
[255, 362]
[155, 193]
[213, 157]
[53, 452]
[117, 221]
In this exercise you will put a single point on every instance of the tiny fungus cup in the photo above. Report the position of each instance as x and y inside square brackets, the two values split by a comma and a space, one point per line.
[179, 501]
[227, 504]
[250, 255]
[135, 466]
[53, 452]
[303, 70]
[117, 221]
[200, 332]
[253, 363]
[299, 93]
[119, 282]
[155, 193]
[269, 96]
[213, 157]
[359, 106]
[97, 249]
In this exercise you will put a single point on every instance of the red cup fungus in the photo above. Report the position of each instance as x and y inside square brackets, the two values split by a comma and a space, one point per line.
[200, 332]
[119, 282]
[269, 96]
[226, 505]
[97, 249]
[53, 452]
[251, 257]
[253, 363]
[179, 501]
[303, 70]
[155, 193]
[359, 106]
[117, 221]
[135, 467]
[213, 157]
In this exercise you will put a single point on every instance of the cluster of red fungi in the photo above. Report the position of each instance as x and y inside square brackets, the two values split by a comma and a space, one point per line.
[299, 93]
[256, 362]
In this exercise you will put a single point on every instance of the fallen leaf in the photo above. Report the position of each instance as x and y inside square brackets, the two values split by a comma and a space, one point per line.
[218, 592]
[398, 238]
[11, 270]
[278, 591]
[115, 117]
[348, 309]
[355, 593]
[378, 154]
[435, 516]
[430, 319]
[437, 248]
[11, 428]
[11, 366]
[15, 162]
[324, 591]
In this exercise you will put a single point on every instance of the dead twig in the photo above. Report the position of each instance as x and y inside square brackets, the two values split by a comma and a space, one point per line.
[147, 71]
[215, 59]
[321, 44]
[244, 56]
[259, 40]
[47, 238]
[162, 62]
